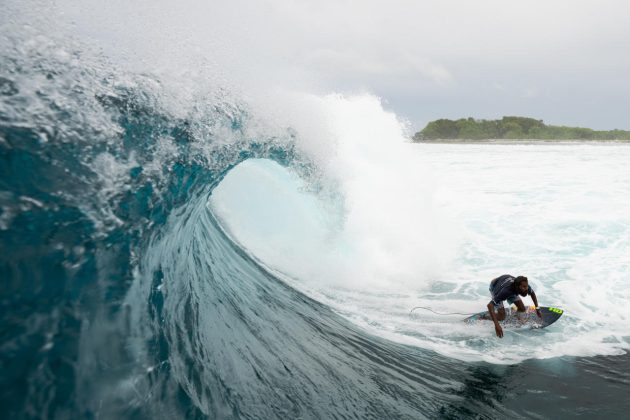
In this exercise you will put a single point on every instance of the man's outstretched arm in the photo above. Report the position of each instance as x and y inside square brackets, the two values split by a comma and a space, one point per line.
[497, 327]
[533, 295]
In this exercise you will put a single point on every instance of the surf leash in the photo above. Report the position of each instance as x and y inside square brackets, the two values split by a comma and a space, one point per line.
[438, 313]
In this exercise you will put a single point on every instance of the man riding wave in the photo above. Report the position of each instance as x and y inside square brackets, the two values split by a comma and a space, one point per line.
[508, 288]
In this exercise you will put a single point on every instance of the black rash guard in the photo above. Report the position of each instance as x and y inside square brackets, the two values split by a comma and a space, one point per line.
[502, 288]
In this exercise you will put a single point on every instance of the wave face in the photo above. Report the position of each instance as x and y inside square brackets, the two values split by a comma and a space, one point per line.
[122, 296]
[127, 294]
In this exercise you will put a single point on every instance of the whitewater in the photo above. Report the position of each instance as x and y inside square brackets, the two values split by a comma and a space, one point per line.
[555, 212]
[186, 237]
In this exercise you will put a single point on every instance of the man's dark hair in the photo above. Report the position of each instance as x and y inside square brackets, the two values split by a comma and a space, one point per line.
[519, 279]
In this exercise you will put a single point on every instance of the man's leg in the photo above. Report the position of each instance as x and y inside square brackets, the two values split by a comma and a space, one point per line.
[501, 314]
[520, 305]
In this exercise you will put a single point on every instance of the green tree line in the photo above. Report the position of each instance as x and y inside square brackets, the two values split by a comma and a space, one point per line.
[511, 128]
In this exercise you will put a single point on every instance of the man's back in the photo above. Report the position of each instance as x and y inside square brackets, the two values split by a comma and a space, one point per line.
[502, 288]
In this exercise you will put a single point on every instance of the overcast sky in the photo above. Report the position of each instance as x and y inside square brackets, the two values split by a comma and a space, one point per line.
[566, 62]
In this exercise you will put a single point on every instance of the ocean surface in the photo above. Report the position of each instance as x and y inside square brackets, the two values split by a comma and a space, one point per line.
[174, 244]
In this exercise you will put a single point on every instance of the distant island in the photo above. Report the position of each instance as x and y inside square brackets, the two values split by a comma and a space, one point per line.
[516, 128]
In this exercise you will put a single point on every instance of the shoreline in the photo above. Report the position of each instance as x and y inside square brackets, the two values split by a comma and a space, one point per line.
[521, 141]
[513, 128]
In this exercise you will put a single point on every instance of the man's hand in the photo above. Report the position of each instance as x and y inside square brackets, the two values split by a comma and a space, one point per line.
[538, 313]
[498, 330]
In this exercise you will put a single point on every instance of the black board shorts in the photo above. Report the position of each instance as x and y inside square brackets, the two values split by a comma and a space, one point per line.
[509, 300]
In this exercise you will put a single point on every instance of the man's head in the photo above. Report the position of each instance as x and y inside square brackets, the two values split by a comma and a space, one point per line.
[521, 285]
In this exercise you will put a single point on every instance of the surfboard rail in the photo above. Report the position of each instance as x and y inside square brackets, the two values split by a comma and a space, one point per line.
[527, 319]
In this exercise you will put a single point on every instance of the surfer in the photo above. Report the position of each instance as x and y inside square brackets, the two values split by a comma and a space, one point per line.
[510, 289]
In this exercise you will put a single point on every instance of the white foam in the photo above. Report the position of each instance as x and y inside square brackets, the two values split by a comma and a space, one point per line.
[387, 229]
[557, 214]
